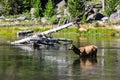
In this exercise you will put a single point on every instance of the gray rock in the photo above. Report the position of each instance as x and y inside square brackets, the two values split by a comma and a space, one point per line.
[115, 17]
[32, 11]
[104, 19]
[10, 19]
[21, 18]
[43, 20]
[91, 18]
[2, 17]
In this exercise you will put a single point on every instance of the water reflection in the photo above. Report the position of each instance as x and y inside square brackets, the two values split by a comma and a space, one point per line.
[84, 67]
[43, 47]
[85, 63]
[57, 63]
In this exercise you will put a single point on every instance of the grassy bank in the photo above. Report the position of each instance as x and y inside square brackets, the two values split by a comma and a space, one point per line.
[100, 32]
[11, 32]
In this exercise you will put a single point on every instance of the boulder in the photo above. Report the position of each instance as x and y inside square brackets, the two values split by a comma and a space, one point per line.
[115, 17]
[105, 19]
[32, 11]
[2, 18]
[91, 18]
[43, 20]
[21, 18]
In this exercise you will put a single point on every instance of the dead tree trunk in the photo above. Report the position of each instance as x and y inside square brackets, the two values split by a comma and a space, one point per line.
[26, 40]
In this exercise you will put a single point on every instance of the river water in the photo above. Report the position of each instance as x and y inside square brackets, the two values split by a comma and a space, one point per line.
[58, 63]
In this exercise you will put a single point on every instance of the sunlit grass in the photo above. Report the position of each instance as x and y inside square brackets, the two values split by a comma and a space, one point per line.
[11, 32]
[7, 32]
[100, 32]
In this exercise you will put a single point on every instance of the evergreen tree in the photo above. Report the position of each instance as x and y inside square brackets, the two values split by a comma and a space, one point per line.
[38, 9]
[76, 7]
[16, 6]
[26, 5]
[49, 11]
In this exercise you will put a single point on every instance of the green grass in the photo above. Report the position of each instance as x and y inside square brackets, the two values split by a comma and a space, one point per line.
[11, 32]
[7, 32]
[99, 32]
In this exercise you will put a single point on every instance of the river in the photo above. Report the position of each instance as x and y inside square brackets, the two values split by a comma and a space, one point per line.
[58, 63]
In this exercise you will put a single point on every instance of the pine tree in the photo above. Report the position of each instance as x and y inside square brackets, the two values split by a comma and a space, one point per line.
[49, 11]
[76, 7]
[38, 9]
[12, 7]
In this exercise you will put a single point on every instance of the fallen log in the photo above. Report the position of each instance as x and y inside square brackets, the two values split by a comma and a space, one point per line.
[50, 40]
[26, 40]
[24, 32]
[22, 41]
[57, 29]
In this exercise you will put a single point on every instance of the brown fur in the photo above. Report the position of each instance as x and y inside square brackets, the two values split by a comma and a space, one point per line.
[86, 51]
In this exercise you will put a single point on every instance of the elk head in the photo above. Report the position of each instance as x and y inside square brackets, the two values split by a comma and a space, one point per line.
[75, 49]
[71, 47]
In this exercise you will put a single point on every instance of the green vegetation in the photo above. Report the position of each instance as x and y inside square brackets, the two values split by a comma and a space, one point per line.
[100, 32]
[13, 7]
[47, 8]
[12, 31]
[8, 32]
[38, 9]
[76, 7]
[110, 6]
[49, 11]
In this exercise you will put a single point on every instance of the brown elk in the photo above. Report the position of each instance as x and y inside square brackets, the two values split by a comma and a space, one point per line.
[86, 51]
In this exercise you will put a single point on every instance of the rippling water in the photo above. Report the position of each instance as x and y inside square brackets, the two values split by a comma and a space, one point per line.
[57, 63]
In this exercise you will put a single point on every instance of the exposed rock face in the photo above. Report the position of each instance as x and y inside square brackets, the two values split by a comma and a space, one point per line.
[91, 18]
[32, 11]
[60, 4]
[115, 17]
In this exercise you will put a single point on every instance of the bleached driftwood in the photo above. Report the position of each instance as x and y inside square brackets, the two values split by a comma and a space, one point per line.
[25, 40]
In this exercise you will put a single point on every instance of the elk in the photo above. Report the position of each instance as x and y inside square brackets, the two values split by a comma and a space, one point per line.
[86, 51]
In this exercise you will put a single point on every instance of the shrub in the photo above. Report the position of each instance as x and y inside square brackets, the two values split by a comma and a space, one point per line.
[110, 6]
[76, 7]
[54, 20]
